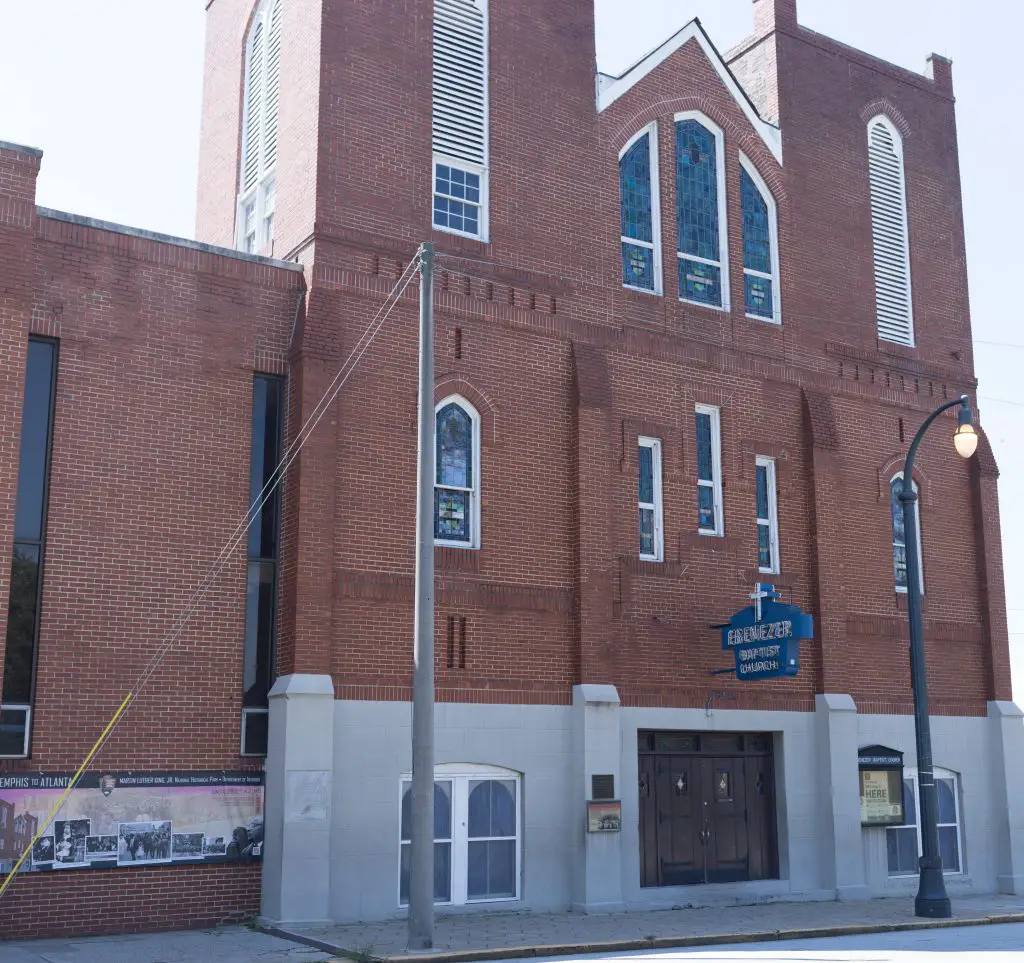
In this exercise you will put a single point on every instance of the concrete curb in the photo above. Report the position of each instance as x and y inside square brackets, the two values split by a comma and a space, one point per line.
[642, 943]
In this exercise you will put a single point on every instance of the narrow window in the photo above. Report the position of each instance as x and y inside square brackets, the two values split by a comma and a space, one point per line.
[649, 485]
[460, 107]
[709, 471]
[767, 517]
[903, 843]
[263, 552]
[638, 215]
[29, 548]
[899, 535]
[700, 212]
[477, 846]
[760, 246]
[259, 129]
[457, 479]
[893, 302]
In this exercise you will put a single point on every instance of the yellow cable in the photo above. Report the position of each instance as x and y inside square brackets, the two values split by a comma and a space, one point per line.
[67, 792]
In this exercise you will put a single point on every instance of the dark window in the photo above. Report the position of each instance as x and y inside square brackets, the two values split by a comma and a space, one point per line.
[29, 532]
[264, 535]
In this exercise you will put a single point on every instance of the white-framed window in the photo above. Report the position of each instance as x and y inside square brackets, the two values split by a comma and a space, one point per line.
[903, 843]
[710, 519]
[899, 535]
[3, 817]
[639, 212]
[477, 835]
[460, 117]
[257, 184]
[652, 541]
[457, 473]
[890, 233]
[701, 211]
[767, 516]
[762, 294]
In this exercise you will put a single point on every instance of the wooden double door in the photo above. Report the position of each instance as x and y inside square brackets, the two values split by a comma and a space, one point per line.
[707, 808]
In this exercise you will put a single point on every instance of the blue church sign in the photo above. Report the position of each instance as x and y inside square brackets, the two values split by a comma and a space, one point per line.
[765, 637]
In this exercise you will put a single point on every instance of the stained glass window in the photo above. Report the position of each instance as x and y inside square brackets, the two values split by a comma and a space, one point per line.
[698, 213]
[649, 496]
[758, 262]
[899, 536]
[454, 484]
[767, 531]
[709, 482]
[636, 215]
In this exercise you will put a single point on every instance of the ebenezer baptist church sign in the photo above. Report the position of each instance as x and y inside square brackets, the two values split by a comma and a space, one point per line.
[765, 637]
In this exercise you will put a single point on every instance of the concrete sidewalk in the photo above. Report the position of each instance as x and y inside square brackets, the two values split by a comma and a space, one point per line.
[490, 936]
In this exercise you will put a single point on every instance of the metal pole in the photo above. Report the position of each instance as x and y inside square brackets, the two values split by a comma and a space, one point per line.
[421, 861]
[931, 900]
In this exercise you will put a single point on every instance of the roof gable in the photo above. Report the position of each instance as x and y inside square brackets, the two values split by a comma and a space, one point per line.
[611, 89]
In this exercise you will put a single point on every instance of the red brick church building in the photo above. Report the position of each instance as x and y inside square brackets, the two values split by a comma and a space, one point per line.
[688, 320]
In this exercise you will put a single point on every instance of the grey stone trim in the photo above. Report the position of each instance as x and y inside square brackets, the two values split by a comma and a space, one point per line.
[166, 239]
[21, 149]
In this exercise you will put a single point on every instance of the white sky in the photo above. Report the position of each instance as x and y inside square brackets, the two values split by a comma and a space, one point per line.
[111, 91]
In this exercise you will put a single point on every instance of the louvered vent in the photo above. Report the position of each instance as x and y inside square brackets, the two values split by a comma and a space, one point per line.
[253, 108]
[273, 77]
[889, 231]
[460, 80]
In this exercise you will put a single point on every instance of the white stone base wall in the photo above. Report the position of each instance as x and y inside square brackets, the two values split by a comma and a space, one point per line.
[338, 858]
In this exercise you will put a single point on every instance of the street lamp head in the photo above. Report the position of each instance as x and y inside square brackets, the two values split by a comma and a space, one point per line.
[965, 439]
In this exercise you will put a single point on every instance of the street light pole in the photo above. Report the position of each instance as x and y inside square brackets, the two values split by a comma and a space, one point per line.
[932, 900]
[421, 830]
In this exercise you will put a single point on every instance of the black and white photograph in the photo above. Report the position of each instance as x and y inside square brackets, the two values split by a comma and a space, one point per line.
[148, 842]
[100, 847]
[69, 837]
[187, 846]
[42, 851]
[215, 846]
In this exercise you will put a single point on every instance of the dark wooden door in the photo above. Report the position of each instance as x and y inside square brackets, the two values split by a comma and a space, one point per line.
[706, 810]
[671, 819]
[726, 841]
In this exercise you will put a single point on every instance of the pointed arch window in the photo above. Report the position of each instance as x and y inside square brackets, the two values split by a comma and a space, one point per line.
[893, 301]
[457, 474]
[899, 535]
[257, 185]
[701, 212]
[640, 223]
[761, 293]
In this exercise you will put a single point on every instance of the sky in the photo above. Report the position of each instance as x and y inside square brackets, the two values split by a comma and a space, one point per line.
[111, 91]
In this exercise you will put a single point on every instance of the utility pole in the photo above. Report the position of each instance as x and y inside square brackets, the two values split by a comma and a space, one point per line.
[421, 862]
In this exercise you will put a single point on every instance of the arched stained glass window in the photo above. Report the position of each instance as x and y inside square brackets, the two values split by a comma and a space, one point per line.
[700, 213]
[760, 246]
[456, 481]
[899, 535]
[639, 222]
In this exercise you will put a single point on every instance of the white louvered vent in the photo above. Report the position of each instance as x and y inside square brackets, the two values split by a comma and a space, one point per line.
[254, 108]
[273, 79]
[889, 233]
[460, 80]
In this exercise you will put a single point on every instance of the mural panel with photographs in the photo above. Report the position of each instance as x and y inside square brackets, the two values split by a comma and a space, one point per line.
[131, 819]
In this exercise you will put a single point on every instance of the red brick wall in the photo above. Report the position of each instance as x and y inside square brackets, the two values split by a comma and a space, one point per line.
[93, 902]
[149, 476]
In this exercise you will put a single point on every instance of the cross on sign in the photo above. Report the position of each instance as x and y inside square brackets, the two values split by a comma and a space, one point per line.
[761, 591]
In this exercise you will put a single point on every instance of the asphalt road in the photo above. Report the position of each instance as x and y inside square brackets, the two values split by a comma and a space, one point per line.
[985, 944]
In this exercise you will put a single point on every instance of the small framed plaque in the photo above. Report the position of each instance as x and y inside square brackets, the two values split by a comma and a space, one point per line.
[604, 816]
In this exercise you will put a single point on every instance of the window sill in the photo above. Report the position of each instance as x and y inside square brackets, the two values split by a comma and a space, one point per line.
[775, 322]
[653, 293]
[721, 308]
